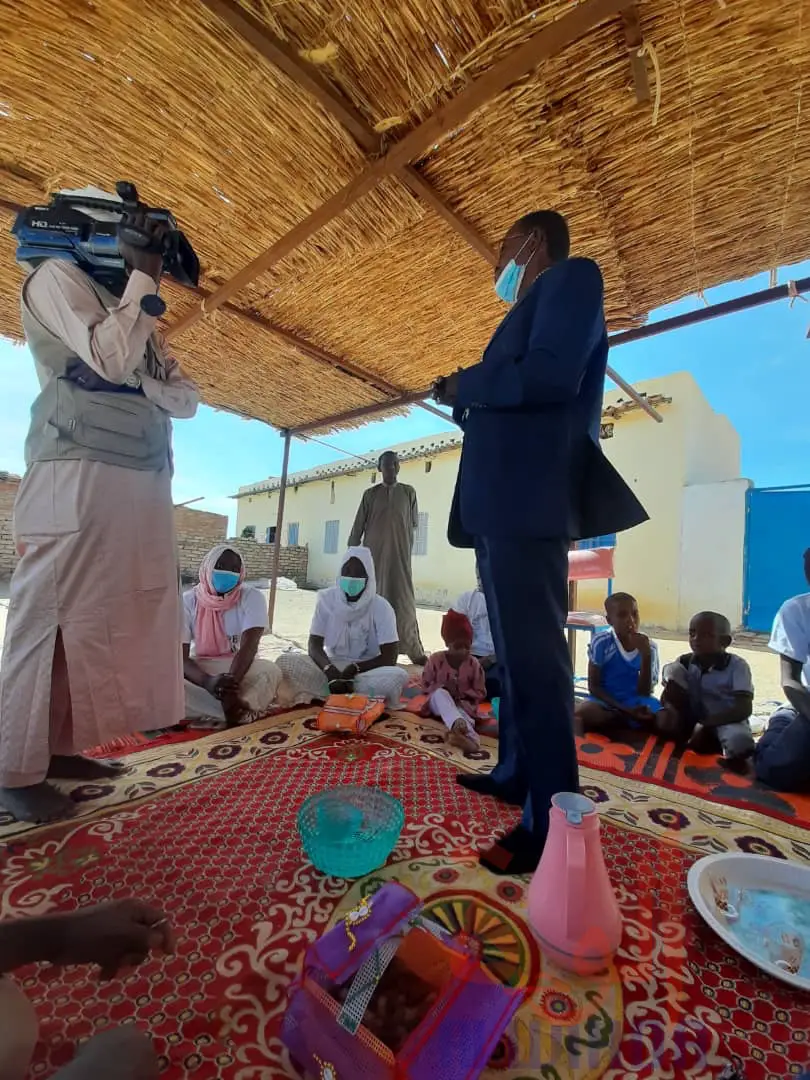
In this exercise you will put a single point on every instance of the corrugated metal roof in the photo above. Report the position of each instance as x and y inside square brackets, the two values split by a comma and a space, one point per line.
[615, 407]
[408, 451]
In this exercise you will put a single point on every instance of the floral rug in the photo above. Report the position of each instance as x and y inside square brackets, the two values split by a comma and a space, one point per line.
[628, 753]
[207, 830]
[635, 753]
[647, 757]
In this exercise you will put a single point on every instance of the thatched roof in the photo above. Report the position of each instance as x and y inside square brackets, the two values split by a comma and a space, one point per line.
[708, 184]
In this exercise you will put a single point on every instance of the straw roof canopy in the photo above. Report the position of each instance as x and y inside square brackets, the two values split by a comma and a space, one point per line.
[704, 181]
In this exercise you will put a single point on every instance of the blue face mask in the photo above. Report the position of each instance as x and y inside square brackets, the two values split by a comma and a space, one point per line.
[352, 586]
[511, 278]
[224, 581]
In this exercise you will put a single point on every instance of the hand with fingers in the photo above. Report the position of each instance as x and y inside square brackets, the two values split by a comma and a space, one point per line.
[445, 389]
[222, 686]
[118, 935]
[140, 242]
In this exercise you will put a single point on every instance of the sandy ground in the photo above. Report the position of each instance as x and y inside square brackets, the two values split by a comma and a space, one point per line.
[294, 613]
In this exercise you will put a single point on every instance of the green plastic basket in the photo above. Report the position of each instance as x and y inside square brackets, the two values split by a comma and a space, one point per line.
[351, 830]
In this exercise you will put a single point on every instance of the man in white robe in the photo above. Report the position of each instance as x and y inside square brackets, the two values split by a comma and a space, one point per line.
[92, 647]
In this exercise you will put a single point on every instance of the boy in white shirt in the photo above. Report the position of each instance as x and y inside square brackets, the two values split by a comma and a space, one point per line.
[711, 692]
[782, 758]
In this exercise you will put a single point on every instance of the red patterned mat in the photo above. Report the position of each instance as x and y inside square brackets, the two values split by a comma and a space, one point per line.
[170, 736]
[629, 753]
[647, 757]
[221, 854]
[147, 740]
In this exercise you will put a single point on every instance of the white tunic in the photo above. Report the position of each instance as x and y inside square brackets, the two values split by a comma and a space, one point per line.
[98, 561]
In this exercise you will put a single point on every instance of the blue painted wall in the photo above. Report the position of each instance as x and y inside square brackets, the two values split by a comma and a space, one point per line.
[777, 535]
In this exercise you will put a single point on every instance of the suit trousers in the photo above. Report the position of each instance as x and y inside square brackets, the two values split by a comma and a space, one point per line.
[525, 582]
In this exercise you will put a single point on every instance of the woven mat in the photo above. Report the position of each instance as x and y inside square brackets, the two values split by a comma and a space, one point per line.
[627, 753]
[649, 758]
[207, 829]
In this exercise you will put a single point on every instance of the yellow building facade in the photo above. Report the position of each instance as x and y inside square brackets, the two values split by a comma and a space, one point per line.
[686, 472]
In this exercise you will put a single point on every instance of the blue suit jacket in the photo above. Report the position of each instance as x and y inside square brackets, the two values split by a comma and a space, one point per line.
[531, 465]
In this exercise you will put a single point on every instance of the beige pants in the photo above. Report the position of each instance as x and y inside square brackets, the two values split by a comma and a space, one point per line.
[258, 689]
[304, 681]
[19, 1030]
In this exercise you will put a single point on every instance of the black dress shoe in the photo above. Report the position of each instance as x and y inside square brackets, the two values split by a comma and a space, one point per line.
[485, 785]
[517, 853]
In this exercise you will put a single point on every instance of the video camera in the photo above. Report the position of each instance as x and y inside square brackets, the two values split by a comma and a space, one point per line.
[86, 228]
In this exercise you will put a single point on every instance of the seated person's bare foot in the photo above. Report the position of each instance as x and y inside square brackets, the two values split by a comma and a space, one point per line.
[704, 741]
[741, 764]
[464, 736]
[341, 686]
[37, 802]
[124, 1053]
[644, 717]
[591, 716]
[76, 767]
[236, 711]
[668, 723]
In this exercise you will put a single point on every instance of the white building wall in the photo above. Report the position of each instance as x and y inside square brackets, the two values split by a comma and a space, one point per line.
[439, 576]
[712, 548]
[685, 471]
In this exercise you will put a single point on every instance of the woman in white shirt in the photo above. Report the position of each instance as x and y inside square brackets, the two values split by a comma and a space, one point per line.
[353, 641]
[225, 681]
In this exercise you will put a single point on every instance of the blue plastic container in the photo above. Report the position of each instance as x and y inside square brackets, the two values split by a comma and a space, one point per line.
[349, 831]
[496, 708]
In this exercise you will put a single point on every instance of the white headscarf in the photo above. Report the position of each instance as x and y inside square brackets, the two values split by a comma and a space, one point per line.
[342, 611]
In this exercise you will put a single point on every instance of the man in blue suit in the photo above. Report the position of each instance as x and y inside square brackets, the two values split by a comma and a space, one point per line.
[532, 478]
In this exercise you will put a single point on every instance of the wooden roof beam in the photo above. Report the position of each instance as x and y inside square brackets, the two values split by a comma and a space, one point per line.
[428, 194]
[364, 412]
[546, 42]
[308, 348]
[282, 56]
[634, 41]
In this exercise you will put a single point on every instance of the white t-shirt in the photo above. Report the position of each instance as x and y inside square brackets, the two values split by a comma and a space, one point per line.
[377, 626]
[249, 614]
[473, 604]
[790, 635]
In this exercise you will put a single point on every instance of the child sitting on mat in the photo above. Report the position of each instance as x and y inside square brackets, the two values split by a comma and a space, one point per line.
[473, 604]
[709, 694]
[455, 684]
[622, 671]
[782, 758]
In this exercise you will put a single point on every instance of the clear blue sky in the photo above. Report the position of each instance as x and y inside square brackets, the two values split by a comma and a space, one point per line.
[754, 367]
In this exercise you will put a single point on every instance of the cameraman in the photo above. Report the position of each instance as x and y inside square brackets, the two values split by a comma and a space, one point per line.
[92, 650]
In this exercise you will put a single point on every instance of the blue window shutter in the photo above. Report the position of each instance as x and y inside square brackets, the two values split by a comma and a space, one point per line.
[420, 540]
[330, 537]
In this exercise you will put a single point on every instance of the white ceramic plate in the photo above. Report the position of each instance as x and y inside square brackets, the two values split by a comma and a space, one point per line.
[760, 906]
